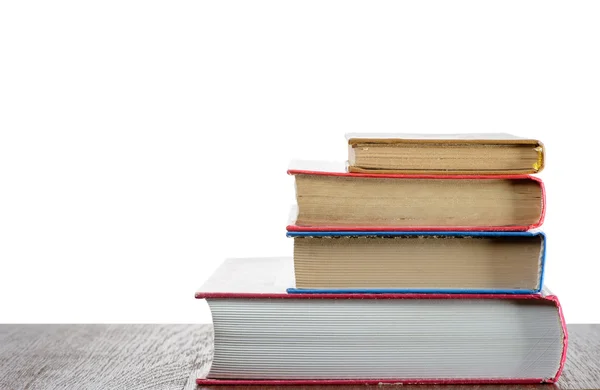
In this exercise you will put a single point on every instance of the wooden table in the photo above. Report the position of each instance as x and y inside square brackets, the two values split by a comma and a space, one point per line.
[172, 356]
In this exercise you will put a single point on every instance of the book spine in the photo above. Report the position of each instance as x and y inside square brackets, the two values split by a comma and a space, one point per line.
[543, 200]
[563, 324]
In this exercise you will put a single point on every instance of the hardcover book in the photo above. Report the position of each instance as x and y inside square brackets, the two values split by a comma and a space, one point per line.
[418, 262]
[473, 154]
[265, 336]
[330, 199]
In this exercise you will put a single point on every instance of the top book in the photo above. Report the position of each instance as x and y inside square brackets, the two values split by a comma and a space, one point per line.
[463, 154]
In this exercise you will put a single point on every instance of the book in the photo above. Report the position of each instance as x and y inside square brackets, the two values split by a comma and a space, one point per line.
[444, 154]
[264, 335]
[418, 262]
[330, 199]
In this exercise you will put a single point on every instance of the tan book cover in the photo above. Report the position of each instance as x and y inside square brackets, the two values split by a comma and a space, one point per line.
[464, 154]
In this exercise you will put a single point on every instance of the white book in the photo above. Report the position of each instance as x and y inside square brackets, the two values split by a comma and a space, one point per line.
[265, 335]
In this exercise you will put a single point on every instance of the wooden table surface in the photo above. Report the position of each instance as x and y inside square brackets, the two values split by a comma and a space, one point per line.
[172, 356]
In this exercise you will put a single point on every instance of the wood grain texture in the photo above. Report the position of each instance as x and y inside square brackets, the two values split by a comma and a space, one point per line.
[173, 356]
[100, 356]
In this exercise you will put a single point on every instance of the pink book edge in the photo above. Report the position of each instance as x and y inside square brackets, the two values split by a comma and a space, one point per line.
[299, 382]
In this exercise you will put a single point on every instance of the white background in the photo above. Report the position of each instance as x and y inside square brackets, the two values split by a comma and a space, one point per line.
[141, 142]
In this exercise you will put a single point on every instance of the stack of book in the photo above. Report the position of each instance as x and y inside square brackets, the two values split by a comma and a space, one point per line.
[415, 262]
